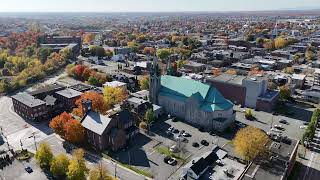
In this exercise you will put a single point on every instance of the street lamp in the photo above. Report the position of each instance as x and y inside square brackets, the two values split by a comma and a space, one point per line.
[115, 167]
[34, 139]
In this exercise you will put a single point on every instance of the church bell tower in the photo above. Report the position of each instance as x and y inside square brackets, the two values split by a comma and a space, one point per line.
[154, 81]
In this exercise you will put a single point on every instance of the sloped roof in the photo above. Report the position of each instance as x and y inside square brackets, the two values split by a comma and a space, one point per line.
[209, 98]
[96, 122]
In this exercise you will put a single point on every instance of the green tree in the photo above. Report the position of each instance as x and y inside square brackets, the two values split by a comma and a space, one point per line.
[44, 155]
[310, 55]
[66, 53]
[149, 117]
[248, 114]
[77, 168]
[296, 58]
[97, 51]
[93, 80]
[181, 63]
[163, 53]
[59, 165]
[250, 37]
[44, 53]
[99, 172]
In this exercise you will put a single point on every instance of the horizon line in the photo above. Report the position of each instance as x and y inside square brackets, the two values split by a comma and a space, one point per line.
[178, 11]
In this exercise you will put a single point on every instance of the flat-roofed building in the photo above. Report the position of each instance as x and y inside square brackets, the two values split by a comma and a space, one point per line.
[249, 91]
[29, 107]
[68, 97]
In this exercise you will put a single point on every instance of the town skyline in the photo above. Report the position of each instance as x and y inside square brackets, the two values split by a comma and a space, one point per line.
[156, 6]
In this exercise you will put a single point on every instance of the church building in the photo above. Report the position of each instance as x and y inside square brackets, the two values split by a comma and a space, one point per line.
[197, 103]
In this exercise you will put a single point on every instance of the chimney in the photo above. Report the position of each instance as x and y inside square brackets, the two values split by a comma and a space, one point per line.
[86, 106]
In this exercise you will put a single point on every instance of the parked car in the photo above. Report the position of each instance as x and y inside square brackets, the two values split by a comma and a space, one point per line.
[303, 127]
[277, 126]
[195, 144]
[175, 131]
[204, 142]
[185, 134]
[174, 149]
[212, 133]
[275, 130]
[171, 128]
[28, 169]
[172, 161]
[166, 159]
[283, 121]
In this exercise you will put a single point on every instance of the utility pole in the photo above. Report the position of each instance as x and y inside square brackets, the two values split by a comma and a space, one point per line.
[21, 145]
[34, 139]
[1, 131]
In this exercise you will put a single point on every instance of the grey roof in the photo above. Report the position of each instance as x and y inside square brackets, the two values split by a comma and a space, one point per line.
[69, 93]
[28, 100]
[96, 122]
[136, 100]
[234, 79]
[50, 100]
[47, 88]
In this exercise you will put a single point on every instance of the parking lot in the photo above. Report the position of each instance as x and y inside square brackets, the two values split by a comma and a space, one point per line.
[143, 151]
[265, 121]
[17, 129]
[17, 171]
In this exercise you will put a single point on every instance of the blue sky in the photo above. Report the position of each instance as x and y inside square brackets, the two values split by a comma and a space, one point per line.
[153, 5]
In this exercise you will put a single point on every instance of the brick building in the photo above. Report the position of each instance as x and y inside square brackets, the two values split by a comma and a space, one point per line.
[108, 132]
[28, 107]
[249, 91]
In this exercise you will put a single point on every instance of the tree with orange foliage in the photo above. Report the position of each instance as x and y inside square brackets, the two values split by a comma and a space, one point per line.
[255, 71]
[216, 71]
[88, 38]
[74, 131]
[98, 103]
[149, 51]
[231, 72]
[57, 123]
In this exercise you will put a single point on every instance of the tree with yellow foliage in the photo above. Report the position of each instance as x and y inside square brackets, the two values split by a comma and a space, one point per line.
[99, 172]
[113, 96]
[144, 83]
[88, 37]
[280, 43]
[250, 142]
[268, 44]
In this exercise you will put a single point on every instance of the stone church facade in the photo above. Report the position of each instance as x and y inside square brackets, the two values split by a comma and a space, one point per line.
[199, 104]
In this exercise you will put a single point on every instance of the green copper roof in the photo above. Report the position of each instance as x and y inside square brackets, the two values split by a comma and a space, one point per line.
[180, 89]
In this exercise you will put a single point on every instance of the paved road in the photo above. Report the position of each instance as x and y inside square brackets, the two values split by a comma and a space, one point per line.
[16, 128]
[312, 167]
[56, 142]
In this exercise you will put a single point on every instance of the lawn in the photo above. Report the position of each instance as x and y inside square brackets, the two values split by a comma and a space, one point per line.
[167, 152]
